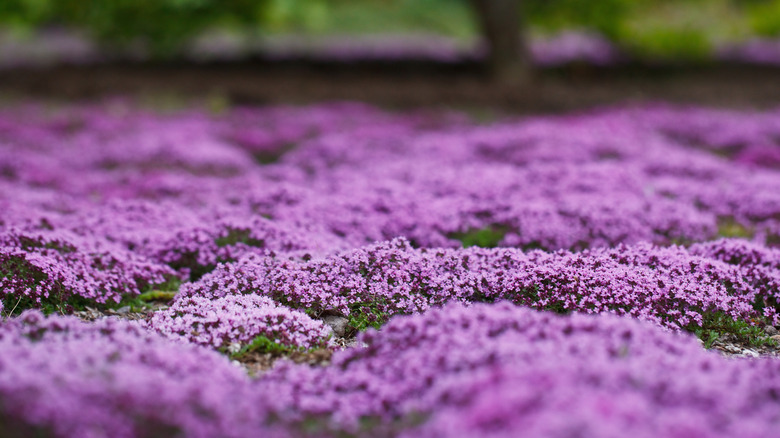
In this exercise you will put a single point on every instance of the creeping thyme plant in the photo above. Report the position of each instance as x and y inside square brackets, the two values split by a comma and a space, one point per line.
[496, 275]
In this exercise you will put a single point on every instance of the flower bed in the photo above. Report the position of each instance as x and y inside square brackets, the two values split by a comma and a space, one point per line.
[459, 242]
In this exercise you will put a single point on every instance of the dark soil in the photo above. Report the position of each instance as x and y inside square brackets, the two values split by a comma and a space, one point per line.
[407, 84]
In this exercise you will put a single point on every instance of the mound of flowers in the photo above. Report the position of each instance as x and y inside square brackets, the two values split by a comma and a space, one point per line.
[56, 267]
[237, 320]
[61, 377]
[498, 370]
[672, 286]
[483, 370]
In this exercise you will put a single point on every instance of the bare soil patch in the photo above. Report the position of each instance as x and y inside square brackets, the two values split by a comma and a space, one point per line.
[407, 84]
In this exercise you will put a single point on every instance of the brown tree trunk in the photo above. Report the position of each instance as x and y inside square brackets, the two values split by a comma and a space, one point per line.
[501, 26]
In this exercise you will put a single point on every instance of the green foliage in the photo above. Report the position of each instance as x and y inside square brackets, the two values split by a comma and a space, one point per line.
[728, 227]
[160, 292]
[488, 237]
[236, 235]
[667, 29]
[446, 17]
[171, 284]
[369, 314]
[605, 16]
[156, 295]
[22, 14]
[262, 344]
[708, 337]
[766, 302]
[15, 305]
[159, 26]
[717, 324]
[670, 43]
[764, 17]
[286, 15]
[656, 28]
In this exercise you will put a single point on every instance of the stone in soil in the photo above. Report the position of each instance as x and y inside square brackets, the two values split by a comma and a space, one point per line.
[727, 345]
[339, 324]
[91, 314]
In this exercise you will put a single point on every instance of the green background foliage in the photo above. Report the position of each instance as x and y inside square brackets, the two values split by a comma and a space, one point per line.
[161, 25]
[665, 28]
[764, 16]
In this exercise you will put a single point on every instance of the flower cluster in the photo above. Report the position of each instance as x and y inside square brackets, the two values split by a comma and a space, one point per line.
[749, 137]
[56, 266]
[238, 319]
[482, 370]
[672, 286]
[345, 175]
[499, 370]
[63, 377]
[185, 192]
[275, 216]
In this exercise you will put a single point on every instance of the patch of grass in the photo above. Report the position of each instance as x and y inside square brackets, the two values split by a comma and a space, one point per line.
[217, 104]
[717, 324]
[318, 17]
[683, 30]
[171, 284]
[487, 237]
[708, 337]
[728, 227]
[161, 292]
[143, 302]
[764, 17]
[156, 295]
[237, 235]
[262, 344]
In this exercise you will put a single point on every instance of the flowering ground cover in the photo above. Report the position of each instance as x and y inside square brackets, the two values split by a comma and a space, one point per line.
[465, 256]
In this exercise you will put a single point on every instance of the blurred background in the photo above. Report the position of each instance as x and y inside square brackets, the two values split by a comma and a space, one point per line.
[571, 52]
